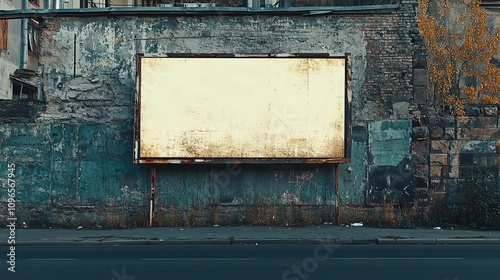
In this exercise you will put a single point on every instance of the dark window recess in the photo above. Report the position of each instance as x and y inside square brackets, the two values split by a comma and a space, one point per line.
[33, 38]
[22, 91]
[96, 3]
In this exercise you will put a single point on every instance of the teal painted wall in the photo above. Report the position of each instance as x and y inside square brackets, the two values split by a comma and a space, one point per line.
[389, 162]
[73, 173]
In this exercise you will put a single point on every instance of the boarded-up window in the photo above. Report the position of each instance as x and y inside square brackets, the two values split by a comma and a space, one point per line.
[22, 90]
[33, 37]
[4, 31]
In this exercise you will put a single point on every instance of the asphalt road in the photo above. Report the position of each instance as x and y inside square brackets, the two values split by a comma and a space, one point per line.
[291, 262]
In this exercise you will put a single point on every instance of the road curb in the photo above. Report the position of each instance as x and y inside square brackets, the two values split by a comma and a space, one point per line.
[342, 241]
[438, 241]
[384, 241]
[88, 243]
[265, 241]
[194, 242]
[470, 241]
[293, 241]
[306, 241]
[46, 243]
[364, 241]
[417, 241]
[124, 242]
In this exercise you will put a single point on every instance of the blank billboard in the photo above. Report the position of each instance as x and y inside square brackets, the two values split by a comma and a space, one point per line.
[240, 107]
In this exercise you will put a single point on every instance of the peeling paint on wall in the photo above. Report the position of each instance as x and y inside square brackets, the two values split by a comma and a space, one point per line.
[389, 171]
[80, 146]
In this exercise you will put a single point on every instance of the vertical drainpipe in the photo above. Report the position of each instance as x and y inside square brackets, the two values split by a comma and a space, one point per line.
[24, 38]
[152, 196]
[336, 166]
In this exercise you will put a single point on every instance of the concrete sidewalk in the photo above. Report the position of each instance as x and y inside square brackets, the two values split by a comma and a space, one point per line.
[247, 235]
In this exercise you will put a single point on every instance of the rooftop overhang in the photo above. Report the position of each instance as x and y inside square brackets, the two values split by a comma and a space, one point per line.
[196, 11]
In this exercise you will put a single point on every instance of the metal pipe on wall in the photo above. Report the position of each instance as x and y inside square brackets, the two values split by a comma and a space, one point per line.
[24, 39]
[336, 171]
[74, 56]
[152, 196]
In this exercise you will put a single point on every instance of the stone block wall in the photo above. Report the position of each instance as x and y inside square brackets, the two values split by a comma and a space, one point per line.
[455, 145]
[444, 151]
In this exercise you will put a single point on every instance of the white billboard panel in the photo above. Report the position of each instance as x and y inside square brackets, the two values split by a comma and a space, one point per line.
[241, 107]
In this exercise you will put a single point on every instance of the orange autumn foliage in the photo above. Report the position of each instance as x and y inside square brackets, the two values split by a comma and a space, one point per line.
[459, 46]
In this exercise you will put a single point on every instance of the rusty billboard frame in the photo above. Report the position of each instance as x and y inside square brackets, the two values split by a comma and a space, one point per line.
[245, 160]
